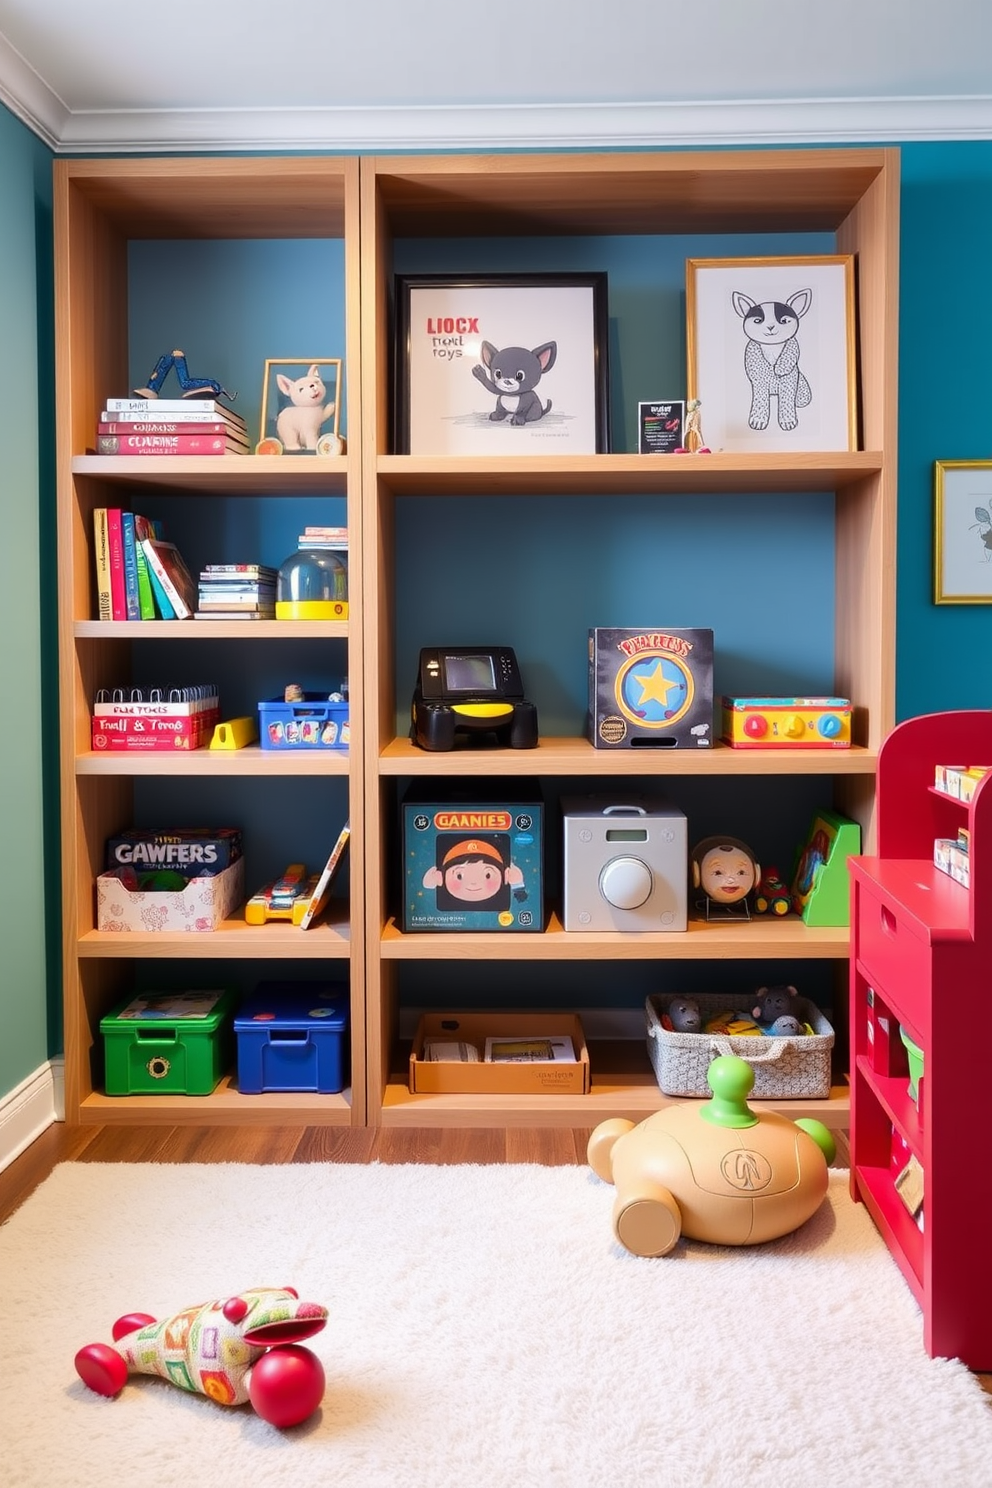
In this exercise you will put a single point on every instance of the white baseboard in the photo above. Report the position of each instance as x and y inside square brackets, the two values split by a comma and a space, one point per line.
[597, 1023]
[30, 1108]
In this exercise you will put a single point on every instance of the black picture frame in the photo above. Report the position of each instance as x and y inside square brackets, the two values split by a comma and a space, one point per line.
[442, 407]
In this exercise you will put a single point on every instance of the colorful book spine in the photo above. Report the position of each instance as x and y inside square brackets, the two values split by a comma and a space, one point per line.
[155, 407]
[202, 424]
[132, 604]
[101, 551]
[163, 604]
[168, 444]
[146, 595]
[159, 556]
[115, 545]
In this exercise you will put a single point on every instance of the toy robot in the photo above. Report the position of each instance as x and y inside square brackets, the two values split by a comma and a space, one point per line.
[711, 1170]
[244, 1348]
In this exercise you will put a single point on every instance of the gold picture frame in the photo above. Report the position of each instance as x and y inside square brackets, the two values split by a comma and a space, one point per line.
[962, 532]
[772, 352]
[295, 410]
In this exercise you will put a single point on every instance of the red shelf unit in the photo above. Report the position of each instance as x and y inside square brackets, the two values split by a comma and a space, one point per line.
[922, 946]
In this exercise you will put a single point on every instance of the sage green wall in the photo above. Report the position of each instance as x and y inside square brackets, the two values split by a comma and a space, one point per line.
[29, 1018]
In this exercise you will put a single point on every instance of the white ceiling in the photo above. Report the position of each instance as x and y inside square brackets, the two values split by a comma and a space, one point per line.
[449, 74]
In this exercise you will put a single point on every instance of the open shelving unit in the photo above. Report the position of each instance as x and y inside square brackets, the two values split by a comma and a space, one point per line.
[373, 205]
[101, 208]
[852, 194]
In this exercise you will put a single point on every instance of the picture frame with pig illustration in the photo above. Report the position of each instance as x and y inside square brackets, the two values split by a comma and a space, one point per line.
[301, 407]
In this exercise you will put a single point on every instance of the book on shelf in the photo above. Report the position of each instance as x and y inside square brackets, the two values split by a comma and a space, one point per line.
[203, 423]
[321, 893]
[101, 552]
[154, 408]
[169, 444]
[269, 613]
[132, 607]
[165, 562]
[115, 544]
[258, 588]
[145, 527]
[238, 571]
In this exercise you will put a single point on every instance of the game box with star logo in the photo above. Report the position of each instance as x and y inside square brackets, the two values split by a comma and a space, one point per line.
[650, 688]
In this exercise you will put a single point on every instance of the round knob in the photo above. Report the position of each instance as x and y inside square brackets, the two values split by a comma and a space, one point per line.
[625, 882]
[755, 726]
[829, 725]
[794, 727]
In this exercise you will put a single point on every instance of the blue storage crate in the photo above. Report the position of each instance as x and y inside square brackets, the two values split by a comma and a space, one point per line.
[311, 723]
[293, 1036]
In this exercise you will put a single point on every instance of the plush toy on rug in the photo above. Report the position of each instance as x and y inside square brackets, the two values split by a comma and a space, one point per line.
[244, 1348]
[712, 1170]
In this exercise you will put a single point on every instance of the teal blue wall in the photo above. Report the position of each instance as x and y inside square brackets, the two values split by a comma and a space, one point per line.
[945, 395]
[944, 652]
[29, 1015]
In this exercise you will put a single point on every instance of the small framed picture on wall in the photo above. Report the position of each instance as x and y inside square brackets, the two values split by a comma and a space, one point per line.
[501, 364]
[771, 352]
[962, 532]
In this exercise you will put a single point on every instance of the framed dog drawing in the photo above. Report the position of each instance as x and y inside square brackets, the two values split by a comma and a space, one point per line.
[500, 364]
[771, 352]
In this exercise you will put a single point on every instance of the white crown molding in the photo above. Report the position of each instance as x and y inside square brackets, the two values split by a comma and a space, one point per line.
[29, 97]
[510, 126]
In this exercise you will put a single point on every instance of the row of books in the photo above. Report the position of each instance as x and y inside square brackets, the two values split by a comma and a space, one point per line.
[139, 575]
[170, 426]
[237, 591]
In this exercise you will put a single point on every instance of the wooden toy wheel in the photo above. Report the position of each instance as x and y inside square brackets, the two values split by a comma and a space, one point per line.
[647, 1222]
[269, 446]
[330, 444]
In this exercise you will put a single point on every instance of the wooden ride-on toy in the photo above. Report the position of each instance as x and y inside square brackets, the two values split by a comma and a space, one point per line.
[711, 1170]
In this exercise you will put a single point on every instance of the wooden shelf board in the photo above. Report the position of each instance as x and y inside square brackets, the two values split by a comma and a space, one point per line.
[732, 940]
[252, 760]
[893, 1095]
[625, 475]
[573, 756]
[202, 630]
[894, 1224]
[226, 1106]
[232, 938]
[678, 192]
[216, 197]
[610, 1096]
[242, 475]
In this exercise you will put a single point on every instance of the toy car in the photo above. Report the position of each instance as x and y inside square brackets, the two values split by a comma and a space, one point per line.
[711, 1170]
[772, 895]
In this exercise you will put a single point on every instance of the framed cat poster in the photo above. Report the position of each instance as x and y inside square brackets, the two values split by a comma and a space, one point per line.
[771, 352]
[501, 364]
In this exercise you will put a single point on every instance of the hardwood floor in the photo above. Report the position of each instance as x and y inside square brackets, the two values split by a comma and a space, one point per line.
[553, 1146]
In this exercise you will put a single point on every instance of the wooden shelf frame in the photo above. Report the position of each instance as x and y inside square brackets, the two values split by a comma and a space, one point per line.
[851, 193]
[100, 206]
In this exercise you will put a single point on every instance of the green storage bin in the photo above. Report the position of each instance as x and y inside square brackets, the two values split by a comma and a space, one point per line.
[168, 1043]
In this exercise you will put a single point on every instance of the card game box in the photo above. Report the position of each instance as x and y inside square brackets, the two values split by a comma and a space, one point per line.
[194, 852]
[473, 859]
[650, 687]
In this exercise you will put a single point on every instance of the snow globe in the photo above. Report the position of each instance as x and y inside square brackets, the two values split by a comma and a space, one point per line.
[313, 585]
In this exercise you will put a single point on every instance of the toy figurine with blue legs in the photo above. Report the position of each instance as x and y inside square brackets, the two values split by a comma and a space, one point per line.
[711, 1170]
[191, 387]
[246, 1347]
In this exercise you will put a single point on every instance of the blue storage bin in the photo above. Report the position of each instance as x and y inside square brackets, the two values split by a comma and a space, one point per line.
[292, 1036]
[312, 723]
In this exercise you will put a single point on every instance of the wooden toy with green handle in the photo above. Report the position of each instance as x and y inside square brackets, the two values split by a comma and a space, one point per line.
[711, 1170]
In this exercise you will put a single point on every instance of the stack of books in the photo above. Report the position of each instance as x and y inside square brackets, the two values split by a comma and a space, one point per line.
[170, 426]
[139, 576]
[318, 538]
[237, 591]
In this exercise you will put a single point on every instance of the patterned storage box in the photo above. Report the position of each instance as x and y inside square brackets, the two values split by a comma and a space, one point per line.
[783, 1067]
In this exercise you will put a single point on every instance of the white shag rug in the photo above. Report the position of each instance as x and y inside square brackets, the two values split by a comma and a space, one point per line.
[485, 1331]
